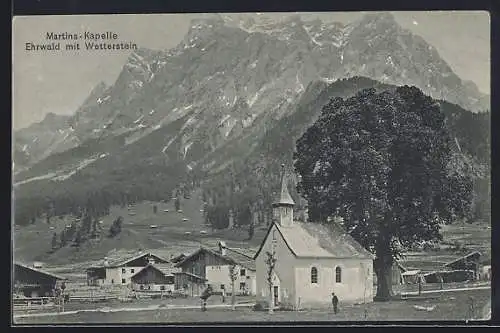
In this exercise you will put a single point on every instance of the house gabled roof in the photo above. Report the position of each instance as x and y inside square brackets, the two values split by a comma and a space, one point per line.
[201, 278]
[315, 240]
[55, 276]
[165, 269]
[178, 258]
[472, 254]
[232, 257]
[241, 258]
[121, 262]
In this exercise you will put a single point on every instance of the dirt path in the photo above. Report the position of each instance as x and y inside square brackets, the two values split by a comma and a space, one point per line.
[486, 311]
[132, 309]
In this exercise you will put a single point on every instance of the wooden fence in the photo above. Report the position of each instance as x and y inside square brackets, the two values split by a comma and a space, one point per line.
[412, 288]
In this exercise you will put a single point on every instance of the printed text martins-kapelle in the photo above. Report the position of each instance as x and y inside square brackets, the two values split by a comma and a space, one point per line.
[108, 35]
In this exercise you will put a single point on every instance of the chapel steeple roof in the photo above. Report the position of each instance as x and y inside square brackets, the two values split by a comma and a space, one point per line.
[284, 198]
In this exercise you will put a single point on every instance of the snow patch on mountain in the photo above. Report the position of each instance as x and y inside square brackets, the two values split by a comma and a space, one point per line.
[168, 144]
[186, 148]
[82, 165]
[248, 121]
[328, 80]
[253, 99]
[138, 119]
[188, 122]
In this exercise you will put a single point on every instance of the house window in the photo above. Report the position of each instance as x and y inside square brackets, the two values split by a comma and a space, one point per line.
[142, 287]
[222, 287]
[123, 271]
[131, 270]
[243, 272]
[314, 275]
[338, 275]
[123, 281]
[274, 235]
[162, 288]
[112, 281]
[242, 286]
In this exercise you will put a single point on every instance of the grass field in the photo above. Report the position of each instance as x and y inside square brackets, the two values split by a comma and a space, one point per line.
[448, 306]
[169, 237]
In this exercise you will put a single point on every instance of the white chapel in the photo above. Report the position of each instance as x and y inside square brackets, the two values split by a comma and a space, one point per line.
[312, 261]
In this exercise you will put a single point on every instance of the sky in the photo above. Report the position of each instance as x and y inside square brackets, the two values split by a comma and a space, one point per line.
[59, 82]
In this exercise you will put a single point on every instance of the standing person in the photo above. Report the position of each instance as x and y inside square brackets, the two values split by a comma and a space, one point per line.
[441, 281]
[223, 295]
[335, 303]
[204, 296]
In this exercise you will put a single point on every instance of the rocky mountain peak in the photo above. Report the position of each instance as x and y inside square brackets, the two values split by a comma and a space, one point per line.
[232, 72]
[378, 18]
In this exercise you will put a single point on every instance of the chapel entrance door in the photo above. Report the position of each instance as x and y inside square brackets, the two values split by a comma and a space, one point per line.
[275, 294]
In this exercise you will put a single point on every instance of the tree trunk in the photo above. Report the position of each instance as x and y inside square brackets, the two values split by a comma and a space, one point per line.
[271, 301]
[233, 297]
[383, 269]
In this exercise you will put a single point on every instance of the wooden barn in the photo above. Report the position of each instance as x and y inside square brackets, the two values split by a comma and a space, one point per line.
[34, 282]
[469, 262]
[158, 277]
[190, 284]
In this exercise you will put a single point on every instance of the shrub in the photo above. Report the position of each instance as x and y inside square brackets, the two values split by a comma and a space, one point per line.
[261, 306]
[286, 307]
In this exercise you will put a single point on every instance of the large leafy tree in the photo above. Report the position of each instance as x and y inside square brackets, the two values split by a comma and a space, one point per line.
[380, 161]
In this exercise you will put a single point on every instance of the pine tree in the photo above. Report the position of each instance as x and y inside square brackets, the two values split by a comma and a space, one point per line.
[251, 231]
[63, 238]
[177, 203]
[54, 241]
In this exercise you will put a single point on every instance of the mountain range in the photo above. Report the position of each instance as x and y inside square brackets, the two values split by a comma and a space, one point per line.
[228, 100]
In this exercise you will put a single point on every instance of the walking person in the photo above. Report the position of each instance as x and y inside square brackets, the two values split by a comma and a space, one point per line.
[335, 303]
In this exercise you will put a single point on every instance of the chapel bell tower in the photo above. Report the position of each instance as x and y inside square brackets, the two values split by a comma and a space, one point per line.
[283, 205]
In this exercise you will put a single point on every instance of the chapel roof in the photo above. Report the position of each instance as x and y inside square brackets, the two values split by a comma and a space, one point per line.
[317, 240]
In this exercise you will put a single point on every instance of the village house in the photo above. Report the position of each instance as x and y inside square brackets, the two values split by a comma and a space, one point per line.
[312, 261]
[214, 264]
[33, 282]
[119, 272]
